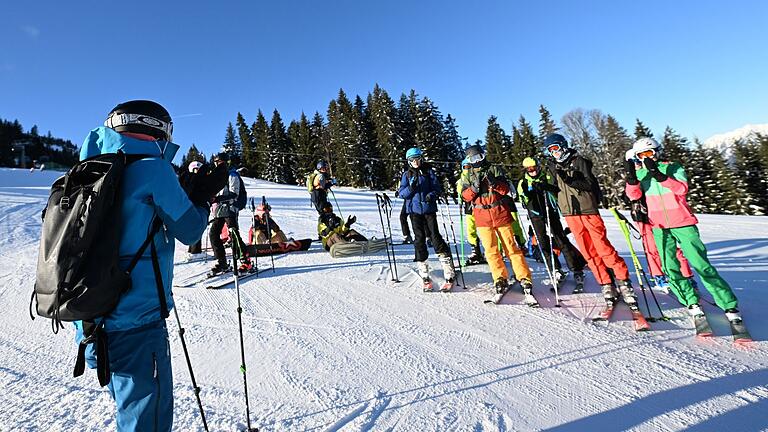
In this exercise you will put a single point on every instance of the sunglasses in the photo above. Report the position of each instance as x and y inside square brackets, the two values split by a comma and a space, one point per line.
[645, 154]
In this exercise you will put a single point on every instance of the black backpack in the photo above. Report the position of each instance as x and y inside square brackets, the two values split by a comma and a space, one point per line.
[78, 276]
[242, 197]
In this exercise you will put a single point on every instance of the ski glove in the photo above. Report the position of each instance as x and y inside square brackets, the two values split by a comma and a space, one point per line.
[430, 197]
[201, 187]
[629, 167]
[350, 220]
[414, 182]
[653, 168]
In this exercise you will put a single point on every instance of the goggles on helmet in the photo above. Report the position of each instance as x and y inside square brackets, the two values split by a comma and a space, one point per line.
[554, 148]
[123, 119]
[475, 158]
[645, 154]
[532, 168]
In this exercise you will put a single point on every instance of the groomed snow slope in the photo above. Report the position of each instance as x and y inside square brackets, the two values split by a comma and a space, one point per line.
[335, 345]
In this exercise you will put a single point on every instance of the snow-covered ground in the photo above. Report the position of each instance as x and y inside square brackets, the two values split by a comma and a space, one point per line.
[335, 345]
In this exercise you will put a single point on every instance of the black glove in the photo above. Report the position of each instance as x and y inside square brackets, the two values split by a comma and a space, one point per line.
[413, 181]
[201, 187]
[350, 220]
[629, 167]
[653, 168]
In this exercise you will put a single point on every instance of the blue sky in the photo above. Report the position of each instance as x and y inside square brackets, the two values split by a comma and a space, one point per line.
[698, 66]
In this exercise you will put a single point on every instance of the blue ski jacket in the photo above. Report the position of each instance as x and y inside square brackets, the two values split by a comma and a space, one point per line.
[420, 190]
[150, 186]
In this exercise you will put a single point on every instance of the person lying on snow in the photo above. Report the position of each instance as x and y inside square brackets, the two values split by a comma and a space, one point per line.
[331, 229]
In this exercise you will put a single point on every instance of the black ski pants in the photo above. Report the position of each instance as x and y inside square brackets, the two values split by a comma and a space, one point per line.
[215, 237]
[560, 241]
[404, 222]
[426, 226]
[319, 197]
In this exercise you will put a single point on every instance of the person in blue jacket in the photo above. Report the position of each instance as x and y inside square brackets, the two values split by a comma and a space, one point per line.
[420, 189]
[141, 381]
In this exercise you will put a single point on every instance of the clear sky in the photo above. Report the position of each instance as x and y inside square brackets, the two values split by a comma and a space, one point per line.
[697, 65]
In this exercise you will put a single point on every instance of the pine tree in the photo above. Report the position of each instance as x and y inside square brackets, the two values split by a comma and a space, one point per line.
[247, 145]
[341, 132]
[405, 127]
[281, 168]
[613, 142]
[736, 197]
[193, 154]
[260, 135]
[383, 117]
[495, 138]
[231, 142]
[318, 141]
[705, 194]
[430, 138]
[300, 134]
[546, 124]
[641, 130]
[453, 146]
[526, 146]
[674, 147]
[750, 170]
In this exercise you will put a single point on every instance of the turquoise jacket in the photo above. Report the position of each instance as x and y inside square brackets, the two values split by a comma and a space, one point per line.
[150, 186]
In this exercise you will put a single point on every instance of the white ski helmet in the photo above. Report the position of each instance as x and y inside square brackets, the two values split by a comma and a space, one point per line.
[194, 165]
[645, 144]
[630, 155]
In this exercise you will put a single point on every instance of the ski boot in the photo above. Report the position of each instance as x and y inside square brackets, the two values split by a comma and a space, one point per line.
[662, 283]
[733, 315]
[528, 297]
[448, 272]
[628, 293]
[219, 268]
[560, 276]
[246, 266]
[476, 257]
[423, 270]
[501, 286]
[578, 277]
[407, 240]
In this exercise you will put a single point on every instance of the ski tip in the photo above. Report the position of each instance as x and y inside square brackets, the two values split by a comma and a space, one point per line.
[704, 335]
[744, 342]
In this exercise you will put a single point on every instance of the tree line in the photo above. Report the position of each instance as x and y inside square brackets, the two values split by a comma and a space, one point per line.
[49, 150]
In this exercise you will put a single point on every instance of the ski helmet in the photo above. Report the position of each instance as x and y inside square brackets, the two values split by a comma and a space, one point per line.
[556, 146]
[413, 153]
[465, 165]
[321, 164]
[141, 116]
[194, 165]
[630, 156]
[645, 147]
[474, 154]
[529, 162]
[223, 156]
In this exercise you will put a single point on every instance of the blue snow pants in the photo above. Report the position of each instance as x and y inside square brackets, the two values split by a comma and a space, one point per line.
[141, 379]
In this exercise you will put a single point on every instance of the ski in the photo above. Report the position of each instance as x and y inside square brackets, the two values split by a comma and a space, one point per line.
[703, 328]
[641, 324]
[740, 333]
[579, 288]
[231, 279]
[496, 298]
[530, 300]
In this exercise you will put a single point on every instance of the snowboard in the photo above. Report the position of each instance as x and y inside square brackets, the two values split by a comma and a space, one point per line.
[278, 248]
[357, 248]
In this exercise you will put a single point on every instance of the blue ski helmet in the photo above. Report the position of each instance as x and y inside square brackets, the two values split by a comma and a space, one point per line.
[556, 146]
[321, 164]
[413, 153]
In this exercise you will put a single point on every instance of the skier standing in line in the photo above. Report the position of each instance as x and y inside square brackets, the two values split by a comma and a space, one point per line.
[195, 250]
[639, 213]
[318, 184]
[141, 380]
[487, 188]
[420, 189]
[665, 186]
[536, 190]
[227, 212]
[476, 257]
[579, 200]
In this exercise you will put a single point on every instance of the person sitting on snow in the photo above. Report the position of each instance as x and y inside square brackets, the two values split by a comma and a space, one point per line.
[331, 229]
[262, 224]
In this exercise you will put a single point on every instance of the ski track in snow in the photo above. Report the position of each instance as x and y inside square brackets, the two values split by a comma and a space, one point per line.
[335, 345]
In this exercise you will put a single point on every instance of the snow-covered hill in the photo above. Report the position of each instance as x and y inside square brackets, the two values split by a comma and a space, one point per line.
[335, 345]
[723, 142]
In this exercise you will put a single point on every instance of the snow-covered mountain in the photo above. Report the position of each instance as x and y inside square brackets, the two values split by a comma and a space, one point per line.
[724, 141]
[336, 345]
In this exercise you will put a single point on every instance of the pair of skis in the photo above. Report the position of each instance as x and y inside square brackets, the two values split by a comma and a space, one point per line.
[528, 298]
[446, 287]
[739, 330]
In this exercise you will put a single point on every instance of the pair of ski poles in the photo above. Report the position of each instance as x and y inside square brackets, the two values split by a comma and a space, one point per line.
[384, 205]
[444, 201]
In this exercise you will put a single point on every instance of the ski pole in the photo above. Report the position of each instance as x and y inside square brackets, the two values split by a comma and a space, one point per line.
[189, 366]
[379, 205]
[551, 252]
[537, 237]
[445, 228]
[388, 211]
[333, 195]
[267, 216]
[461, 236]
[453, 234]
[237, 254]
[624, 224]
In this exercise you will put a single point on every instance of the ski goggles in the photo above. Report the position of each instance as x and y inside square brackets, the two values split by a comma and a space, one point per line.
[645, 154]
[475, 158]
[123, 119]
[532, 169]
[414, 159]
[554, 148]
